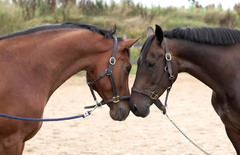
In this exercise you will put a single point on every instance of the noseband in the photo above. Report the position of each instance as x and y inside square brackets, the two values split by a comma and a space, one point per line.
[108, 72]
[153, 95]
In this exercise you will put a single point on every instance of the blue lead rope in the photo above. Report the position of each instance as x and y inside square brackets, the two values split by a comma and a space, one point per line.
[50, 119]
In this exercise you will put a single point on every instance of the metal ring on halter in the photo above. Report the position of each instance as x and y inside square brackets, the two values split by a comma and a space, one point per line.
[166, 68]
[168, 56]
[108, 73]
[112, 60]
[171, 77]
[99, 104]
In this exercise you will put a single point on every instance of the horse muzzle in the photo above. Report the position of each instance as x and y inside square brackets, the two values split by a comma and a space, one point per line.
[120, 111]
[139, 106]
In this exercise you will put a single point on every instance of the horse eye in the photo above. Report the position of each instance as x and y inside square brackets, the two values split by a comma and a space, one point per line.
[128, 68]
[151, 64]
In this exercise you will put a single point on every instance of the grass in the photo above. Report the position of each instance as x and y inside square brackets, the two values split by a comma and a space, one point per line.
[131, 19]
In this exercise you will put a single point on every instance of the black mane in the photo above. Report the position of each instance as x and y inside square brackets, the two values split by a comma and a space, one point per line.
[206, 35]
[73, 25]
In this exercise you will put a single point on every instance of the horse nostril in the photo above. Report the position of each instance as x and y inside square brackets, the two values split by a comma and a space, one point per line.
[147, 107]
[134, 109]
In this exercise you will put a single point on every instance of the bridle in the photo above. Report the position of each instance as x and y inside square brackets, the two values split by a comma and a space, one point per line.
[108, 72]
[168, 69]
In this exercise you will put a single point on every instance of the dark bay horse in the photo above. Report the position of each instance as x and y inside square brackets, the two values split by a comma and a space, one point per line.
[212, 55]
[36, 61]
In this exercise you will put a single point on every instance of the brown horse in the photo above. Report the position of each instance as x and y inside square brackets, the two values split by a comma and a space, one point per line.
[209, 54]
[36, 61]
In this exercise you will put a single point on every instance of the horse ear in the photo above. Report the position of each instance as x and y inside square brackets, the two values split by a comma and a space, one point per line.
[159, 34]
[130, 42]
[150, 31]
[113, 30]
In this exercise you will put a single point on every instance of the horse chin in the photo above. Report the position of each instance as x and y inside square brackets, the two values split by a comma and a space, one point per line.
[146, 113]
[120, 111]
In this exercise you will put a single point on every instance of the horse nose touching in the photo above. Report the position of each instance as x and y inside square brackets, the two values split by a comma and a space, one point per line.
[140, 111]
[120, 111]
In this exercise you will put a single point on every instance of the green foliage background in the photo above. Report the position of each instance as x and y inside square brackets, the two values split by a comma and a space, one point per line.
[131, 19]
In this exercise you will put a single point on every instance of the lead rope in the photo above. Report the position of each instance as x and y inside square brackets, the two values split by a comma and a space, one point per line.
[165, 105]
[88, 113]
[186, 135]
[168, 68]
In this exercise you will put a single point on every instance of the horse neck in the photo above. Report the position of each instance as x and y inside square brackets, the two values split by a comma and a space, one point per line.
[201, 61]
[81, 54]
[62, 54]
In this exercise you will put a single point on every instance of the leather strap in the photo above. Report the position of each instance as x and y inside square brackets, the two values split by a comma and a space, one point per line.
[153, 95]
[108, 72]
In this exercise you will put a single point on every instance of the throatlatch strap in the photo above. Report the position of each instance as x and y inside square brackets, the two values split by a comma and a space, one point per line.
[168, 58]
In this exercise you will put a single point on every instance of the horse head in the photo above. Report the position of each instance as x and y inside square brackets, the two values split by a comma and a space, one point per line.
[114, 72]
[154, 73]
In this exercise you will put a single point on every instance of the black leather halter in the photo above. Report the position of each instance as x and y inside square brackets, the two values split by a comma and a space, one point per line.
[153, 95]
[108, 72]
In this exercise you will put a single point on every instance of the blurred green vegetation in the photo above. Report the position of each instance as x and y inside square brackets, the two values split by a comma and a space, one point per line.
[131, 19]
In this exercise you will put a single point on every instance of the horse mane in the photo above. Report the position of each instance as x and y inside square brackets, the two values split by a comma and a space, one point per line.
[205, 35]
[65, 25]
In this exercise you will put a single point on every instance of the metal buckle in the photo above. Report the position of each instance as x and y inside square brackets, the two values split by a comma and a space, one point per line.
[153, 95]
[171, 77]
[168, 56]
[107, 72]
[116, 99]
[112, 60]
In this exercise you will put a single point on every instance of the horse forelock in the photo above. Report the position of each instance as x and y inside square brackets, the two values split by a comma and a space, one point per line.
[205, 35]
[65, 25]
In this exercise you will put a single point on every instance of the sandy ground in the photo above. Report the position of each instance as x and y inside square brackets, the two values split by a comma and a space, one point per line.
[189, 106]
